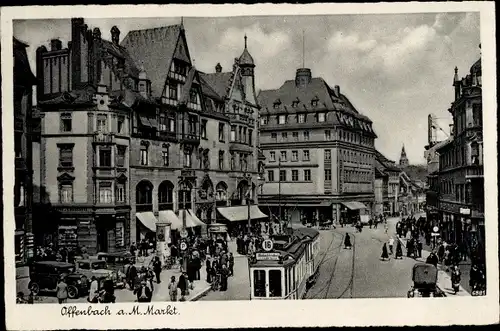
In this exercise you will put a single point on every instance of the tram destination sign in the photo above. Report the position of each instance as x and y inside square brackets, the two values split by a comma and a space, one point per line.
[267, 256]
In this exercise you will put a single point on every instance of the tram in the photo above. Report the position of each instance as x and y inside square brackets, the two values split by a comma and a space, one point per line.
[285, 266]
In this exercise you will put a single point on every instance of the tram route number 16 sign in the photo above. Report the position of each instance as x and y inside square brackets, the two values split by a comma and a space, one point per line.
[267, 245]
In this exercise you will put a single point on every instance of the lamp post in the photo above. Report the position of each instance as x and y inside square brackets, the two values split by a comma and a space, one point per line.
[182, 190]
[248, 177]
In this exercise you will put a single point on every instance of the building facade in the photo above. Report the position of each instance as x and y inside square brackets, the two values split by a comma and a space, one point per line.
[24, 80]
[461, 181]
[141, 135]
[319, 151]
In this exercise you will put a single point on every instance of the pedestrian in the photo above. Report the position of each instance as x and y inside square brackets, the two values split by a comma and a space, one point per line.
[133, 249]
[132, 275]
[94, 290]
[432, 259]
[399, 250]
[182, 285]
[62, 291]
[391, 244]
[370, 222]
[347, 241]
[208, 266]
[231, 264]
[157, 269]
[172, 289]
[419, 248]
[384, 255]
[223, 278]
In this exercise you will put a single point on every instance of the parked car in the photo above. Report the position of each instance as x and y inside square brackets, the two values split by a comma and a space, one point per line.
[99, 269]
[117, 261]
[45, 274]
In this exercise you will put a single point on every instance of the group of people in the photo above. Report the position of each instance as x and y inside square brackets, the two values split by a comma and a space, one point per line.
[219, 268]
[398, 253]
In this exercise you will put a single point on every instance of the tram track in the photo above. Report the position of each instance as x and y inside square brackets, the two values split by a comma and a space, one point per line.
[350, 285]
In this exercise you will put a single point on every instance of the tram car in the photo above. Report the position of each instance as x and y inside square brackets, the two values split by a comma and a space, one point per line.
[285, 266]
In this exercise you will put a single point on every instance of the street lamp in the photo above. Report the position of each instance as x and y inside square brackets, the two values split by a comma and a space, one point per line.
[182, 189]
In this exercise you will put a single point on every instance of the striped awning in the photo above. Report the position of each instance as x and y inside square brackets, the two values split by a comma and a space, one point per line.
[147, 219]
[240, 213]
[168, 216]
[191, 219]
[354, 205]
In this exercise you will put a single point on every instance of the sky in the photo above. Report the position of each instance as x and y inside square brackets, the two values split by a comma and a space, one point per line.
[394, 68]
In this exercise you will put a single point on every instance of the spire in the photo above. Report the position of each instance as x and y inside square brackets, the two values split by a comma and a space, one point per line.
[246, 59]
[182, 22]
[455, 78]
[303, 51]
[245, 41]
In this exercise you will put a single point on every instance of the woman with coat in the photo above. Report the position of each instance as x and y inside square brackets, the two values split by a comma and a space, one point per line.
[182, 285]
[209, 270]
[347, 241]
[399, 251]
[385, 254]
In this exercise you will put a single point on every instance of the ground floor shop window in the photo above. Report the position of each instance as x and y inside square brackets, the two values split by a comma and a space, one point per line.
[275, 289]
[259, 283]
[120, 234]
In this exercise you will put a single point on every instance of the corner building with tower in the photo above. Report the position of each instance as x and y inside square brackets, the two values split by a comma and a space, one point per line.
[320, 153]
[132, 134]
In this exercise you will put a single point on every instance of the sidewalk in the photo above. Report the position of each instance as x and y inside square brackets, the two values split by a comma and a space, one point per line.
[444, 279]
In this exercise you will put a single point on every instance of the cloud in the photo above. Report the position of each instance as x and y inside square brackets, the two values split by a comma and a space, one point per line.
[445, 23]
[351, 42]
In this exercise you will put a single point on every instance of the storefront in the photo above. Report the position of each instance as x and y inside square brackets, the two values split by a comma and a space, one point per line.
[353, 211]
[236, 217]
[146, 226]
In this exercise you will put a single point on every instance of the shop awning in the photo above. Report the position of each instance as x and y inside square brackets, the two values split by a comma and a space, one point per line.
[191, 219]
[147, 219]
[168, 216]
[354, 205]
[240, 213]
[195, 218]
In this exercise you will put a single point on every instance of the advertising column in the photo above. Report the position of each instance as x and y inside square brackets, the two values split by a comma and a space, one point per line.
[162, 241]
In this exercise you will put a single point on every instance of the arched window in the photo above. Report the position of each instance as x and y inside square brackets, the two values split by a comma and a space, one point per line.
[166, 196]
[221, 194]
[144, 196]
[241, 193]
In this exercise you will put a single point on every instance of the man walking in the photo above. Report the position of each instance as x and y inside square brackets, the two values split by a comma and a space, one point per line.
[391, 245]
[62, 291]
[172, 289]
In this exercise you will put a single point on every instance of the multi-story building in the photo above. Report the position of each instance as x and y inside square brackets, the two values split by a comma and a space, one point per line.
[461, 182]
[319, 151]
[389, 168]
[24, 80]
[141, 136]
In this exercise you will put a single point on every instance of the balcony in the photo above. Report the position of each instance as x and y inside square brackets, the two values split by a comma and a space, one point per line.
[104, 138]
[167, 135]
[190, 138]
[237, 146]
[474, 172]
[189, 173]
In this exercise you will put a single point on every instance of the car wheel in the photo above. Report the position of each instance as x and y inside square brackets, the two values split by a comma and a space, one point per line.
[34, 287]
[72, 292]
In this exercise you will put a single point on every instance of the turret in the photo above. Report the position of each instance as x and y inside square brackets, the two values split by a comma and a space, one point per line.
[247, 66]
[457, 84]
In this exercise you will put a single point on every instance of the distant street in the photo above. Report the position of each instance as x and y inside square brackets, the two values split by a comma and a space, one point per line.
[359, 273]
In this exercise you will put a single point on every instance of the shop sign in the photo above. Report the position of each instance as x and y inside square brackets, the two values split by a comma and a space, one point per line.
[267, 256]
[465, 211]
[217, 228]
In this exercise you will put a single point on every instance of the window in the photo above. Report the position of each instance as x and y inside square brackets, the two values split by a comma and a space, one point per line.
[283, 156]
[120, 156]
[272, 156]
[305, 155]
[164, 157]
[282, 175]
[66, 122]
[104, 156]
[477, 114]
[328, 174]
[250, 137]
[301, 118]
[284, 136]
[295, 156]
[263, 120]
[295, 136]
[295, 175]
[187, 159]
[193, 121]
[172, 91]
[102, 125]
[282, 119]
[275, 289]
[162, 124]
[18, 144]
[270, 175]
[144, 156]
[328, 154]
[105, 195]
[120, 193]
[221, 132]
[171, 125]
[328, 135]
[306, 135]
[259, 283]
[221, 160]
[243, 137]
[321, 117]
[233, 132]
[66, 156]
[120, 123]
[233, 161]
[307, 175]
[274, 137]
[66, 193]
[193, 97]
[119, 234]
[204, 129]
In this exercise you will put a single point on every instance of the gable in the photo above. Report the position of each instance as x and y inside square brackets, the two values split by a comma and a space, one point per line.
[182, 50]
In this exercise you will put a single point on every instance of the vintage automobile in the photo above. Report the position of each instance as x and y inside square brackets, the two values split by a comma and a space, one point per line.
[99, 269]
[424, 278]
[45, 274]
[117, 261]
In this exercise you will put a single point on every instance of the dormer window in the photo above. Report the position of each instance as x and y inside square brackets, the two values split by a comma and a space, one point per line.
[193, 97]
[263, 120]
[282, 119]
[142, 86]
[321, 117]
[301, 118]
[172, 91]
[314, 101]
[295, 102]
[276, 104]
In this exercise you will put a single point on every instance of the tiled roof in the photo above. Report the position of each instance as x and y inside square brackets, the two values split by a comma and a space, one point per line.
[207, 89]
[476, 67]
[22, 70]
[416, 172]
[186, 89]
[120, 52]
[153, 49]
[385, 162]
[316, 89]
[220, 82]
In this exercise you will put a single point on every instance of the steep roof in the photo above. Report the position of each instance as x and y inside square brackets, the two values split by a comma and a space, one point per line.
[22, 70]
[153, 49]
[385, 162]
[317, 88]
[220, 82]
[416, 172]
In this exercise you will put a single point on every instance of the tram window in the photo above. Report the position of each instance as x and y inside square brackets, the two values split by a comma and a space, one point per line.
[275, 283]
[259, 283]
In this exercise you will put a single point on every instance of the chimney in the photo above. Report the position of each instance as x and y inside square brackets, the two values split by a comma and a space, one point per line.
[218, 68]
[337, 90]
[115, 35]
[76, 42]
[55, 45]
[303, 77]
[97, 34]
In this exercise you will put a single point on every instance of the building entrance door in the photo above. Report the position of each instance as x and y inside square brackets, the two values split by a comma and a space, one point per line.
[102, 240]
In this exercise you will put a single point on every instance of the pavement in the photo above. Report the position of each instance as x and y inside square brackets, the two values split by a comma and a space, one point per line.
[160, 291]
